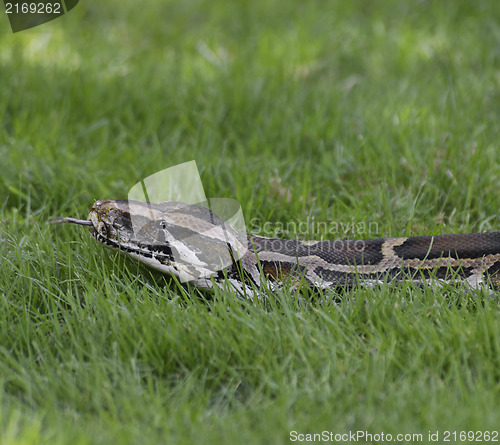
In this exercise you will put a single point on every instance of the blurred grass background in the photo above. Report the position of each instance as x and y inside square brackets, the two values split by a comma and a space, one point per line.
[384, 112]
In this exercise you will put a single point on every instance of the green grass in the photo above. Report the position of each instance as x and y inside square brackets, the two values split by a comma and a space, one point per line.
[382, 114]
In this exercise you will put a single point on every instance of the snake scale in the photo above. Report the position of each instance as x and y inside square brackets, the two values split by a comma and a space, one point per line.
[193, 244]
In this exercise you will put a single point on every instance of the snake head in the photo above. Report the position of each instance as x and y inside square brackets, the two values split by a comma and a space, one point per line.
[187, 240]
[111, 222]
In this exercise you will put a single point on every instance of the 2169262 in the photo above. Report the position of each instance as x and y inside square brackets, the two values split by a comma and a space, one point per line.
[33, 8]
[470, 436]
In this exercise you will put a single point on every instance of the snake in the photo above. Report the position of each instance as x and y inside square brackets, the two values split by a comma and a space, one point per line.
[191, 243]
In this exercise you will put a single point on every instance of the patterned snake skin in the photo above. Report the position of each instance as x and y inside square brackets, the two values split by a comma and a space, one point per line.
[193, 244]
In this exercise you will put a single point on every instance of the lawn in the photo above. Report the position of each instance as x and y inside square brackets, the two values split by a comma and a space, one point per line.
[345, 119]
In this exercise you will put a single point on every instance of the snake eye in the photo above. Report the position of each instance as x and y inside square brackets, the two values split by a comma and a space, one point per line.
[163, 224]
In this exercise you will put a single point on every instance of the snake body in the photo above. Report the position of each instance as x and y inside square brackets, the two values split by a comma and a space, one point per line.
[193, 244]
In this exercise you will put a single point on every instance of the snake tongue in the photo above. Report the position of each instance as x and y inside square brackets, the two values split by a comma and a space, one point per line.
[64, 219]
